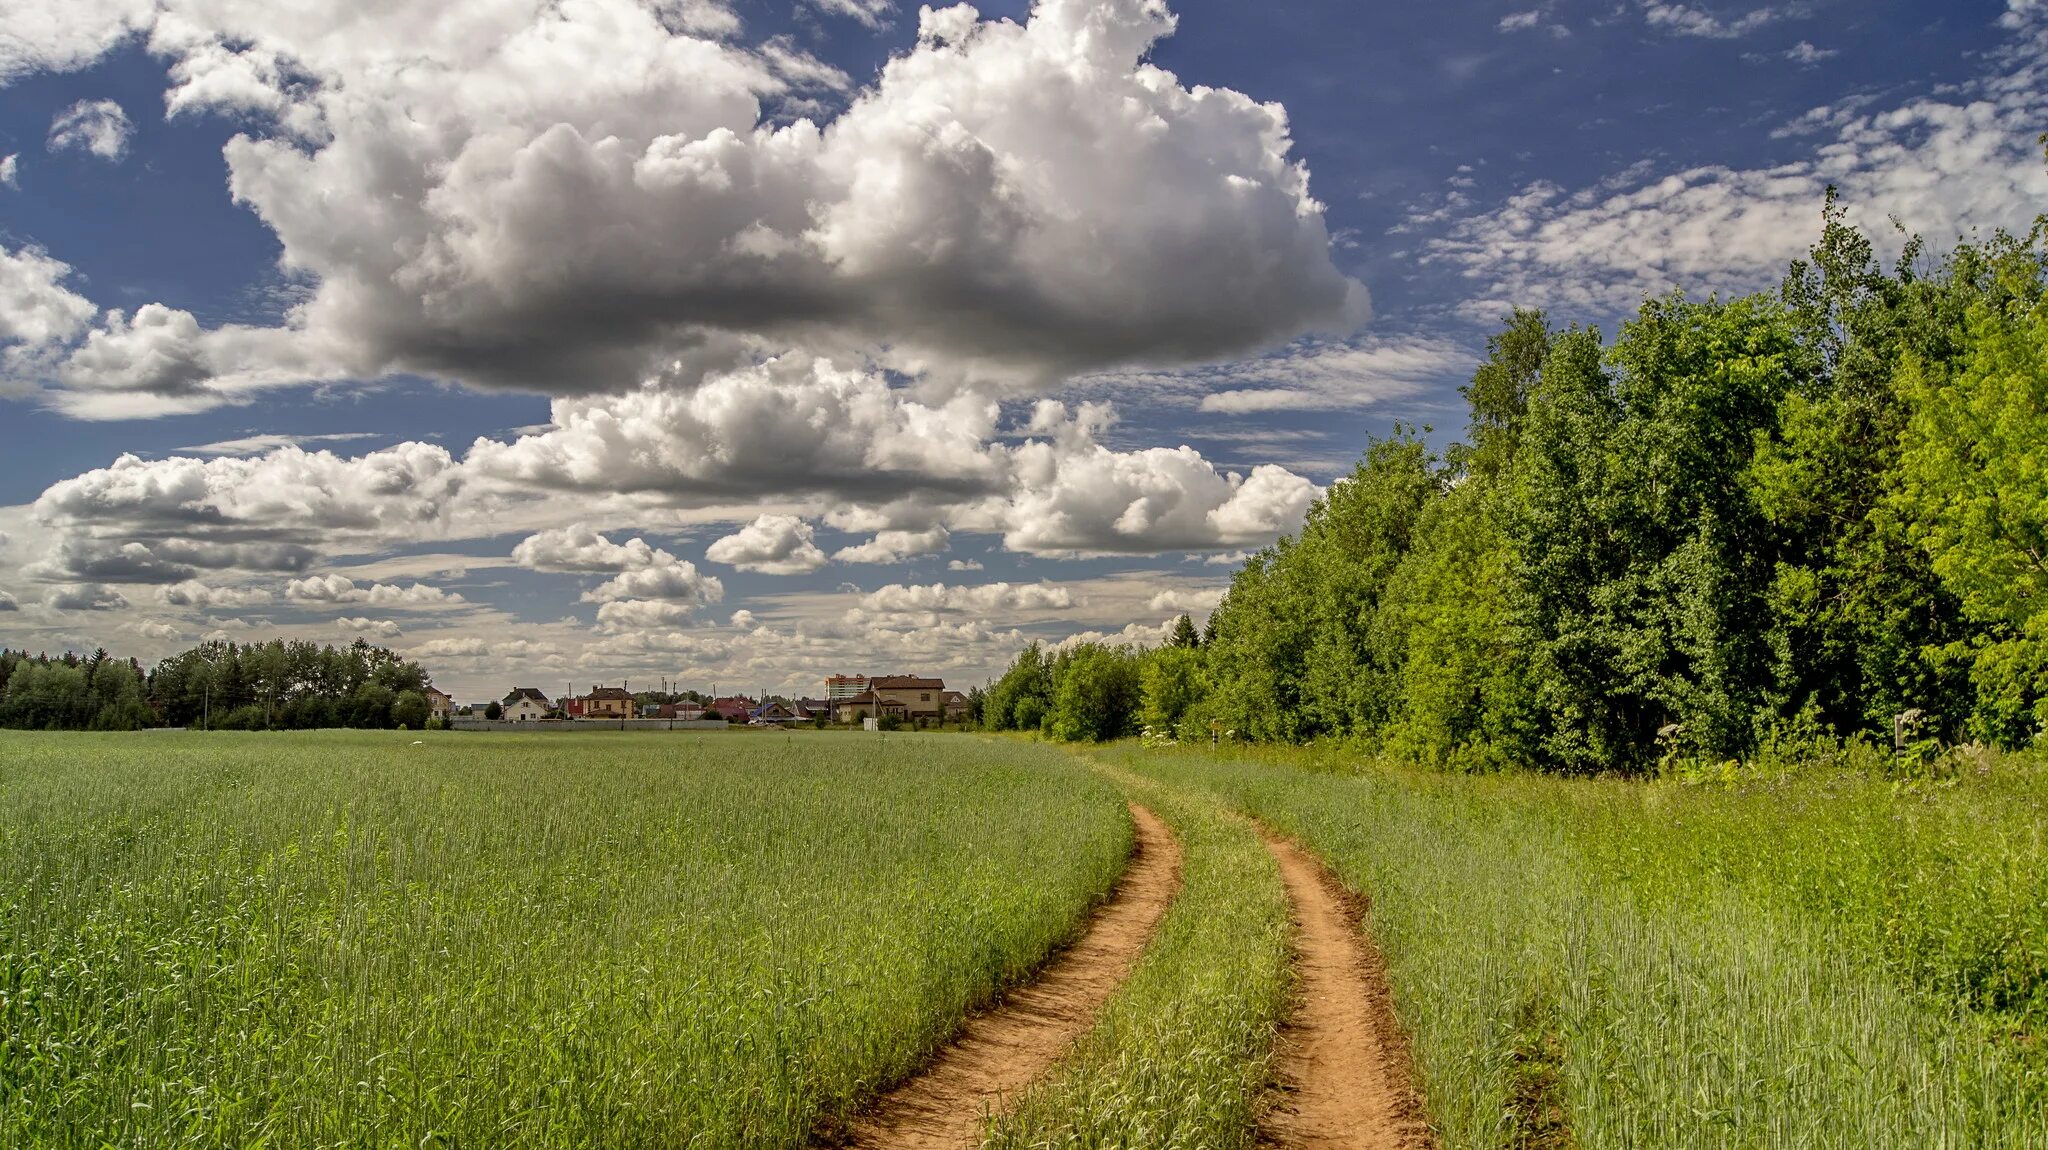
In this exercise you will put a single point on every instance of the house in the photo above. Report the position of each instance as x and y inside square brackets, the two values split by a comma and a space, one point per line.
[733, 709]
[918, 698]
[440, 704]
[809, 709]
[525, 705]
[607, 703]
[772, 714]
[570, 705]
[955, 706]
[684, 712]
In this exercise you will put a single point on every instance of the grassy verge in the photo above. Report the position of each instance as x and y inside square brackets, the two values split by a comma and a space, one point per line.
[1826, 962]
[344, 939]
[1180, 1059]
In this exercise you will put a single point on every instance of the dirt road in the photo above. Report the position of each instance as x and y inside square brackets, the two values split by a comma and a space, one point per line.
[1345, 1075]
[1000, 1052]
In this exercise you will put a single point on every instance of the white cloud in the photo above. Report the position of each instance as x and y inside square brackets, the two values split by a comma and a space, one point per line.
[63, 36]
[671, 580]
[1008, 202]
[1940, 165]
[578, 549]
[1805, 53]
[8, 602]
[338, 589]
[964, 565]
[641, 615]
[1186, 602]
[985, 599]
[258, 444]
[873, 13]
[98, 127]
[87, 597]
[199, 595]
[10, 170]
[771, 545]
[35, 307]
[368, 628]
[1682, 20]
[894, 546]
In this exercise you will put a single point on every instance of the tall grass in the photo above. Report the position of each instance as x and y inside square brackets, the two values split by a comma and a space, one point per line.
[1823, 962]
[326, 940]
[1180, 1058]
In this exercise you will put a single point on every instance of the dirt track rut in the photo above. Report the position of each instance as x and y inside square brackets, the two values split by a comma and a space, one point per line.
[999, 1053]
[1346, 1079]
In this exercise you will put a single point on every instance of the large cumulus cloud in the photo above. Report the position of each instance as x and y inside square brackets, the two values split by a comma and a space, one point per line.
[576, 196]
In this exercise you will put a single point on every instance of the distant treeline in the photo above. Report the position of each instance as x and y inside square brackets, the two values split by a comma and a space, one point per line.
[1743, 526]
[224, 686]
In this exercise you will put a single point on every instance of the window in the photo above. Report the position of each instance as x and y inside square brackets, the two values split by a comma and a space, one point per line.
[925, 698]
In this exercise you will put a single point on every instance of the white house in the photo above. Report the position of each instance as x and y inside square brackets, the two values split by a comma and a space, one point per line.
[525, 705]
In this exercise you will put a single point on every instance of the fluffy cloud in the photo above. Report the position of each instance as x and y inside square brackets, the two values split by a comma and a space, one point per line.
[195, 594]
[873, 13]
[587, 194]
[10, 170]
[1187, 602]
[87, 597]
[35, 307]
[641, 615]
[639, 570]
[1941, 164]
[98, 127]
[671, 580]
[368, 628]
[578, 549]
[985, 599]
[338, 589]
[894, 546]
[771, 545]
[61, 37]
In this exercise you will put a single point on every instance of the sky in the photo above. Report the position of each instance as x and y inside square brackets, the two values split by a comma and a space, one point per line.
[737, 343]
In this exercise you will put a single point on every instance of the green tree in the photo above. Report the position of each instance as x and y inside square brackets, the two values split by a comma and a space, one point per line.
[1171, 686]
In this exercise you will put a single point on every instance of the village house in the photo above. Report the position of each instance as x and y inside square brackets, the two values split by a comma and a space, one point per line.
[955, 706]
[683, 712]
[732, 708]
[440, 704]
[908, 698]
[524, 705]
[607, 703]
[773, 714]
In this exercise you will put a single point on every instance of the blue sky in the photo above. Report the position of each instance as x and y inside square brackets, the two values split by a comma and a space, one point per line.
[568, 343]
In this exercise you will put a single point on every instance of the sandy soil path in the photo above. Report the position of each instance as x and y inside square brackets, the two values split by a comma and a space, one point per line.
[1002, 1051]
[1345, 1076]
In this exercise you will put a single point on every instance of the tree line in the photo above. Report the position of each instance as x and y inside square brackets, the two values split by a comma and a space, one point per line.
[277, 685]
[1745, 525]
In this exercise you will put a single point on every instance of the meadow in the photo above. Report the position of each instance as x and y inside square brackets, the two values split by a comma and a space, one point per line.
[335, 939]
[356, 939]
[1830, 959]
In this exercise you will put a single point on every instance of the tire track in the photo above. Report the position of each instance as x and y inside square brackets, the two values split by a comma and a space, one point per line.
[1345, 1076]
[1000, 1052]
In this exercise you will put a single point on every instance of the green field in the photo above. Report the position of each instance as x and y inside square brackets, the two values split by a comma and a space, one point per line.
[1828, 961]
[347, 939]
[738, 940]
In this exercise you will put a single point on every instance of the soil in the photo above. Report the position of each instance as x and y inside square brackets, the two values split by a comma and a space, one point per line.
[1346, 1080]
[1000, 1052]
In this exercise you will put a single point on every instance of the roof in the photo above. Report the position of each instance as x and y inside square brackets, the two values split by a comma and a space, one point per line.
[905, 683]
[609, 693]
[533, 693]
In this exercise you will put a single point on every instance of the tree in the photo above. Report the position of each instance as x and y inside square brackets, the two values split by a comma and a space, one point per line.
[1095, 694]
[1171, 686]
[1974, 495]
[1184, 635]
[409, 711]
[494, 711]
